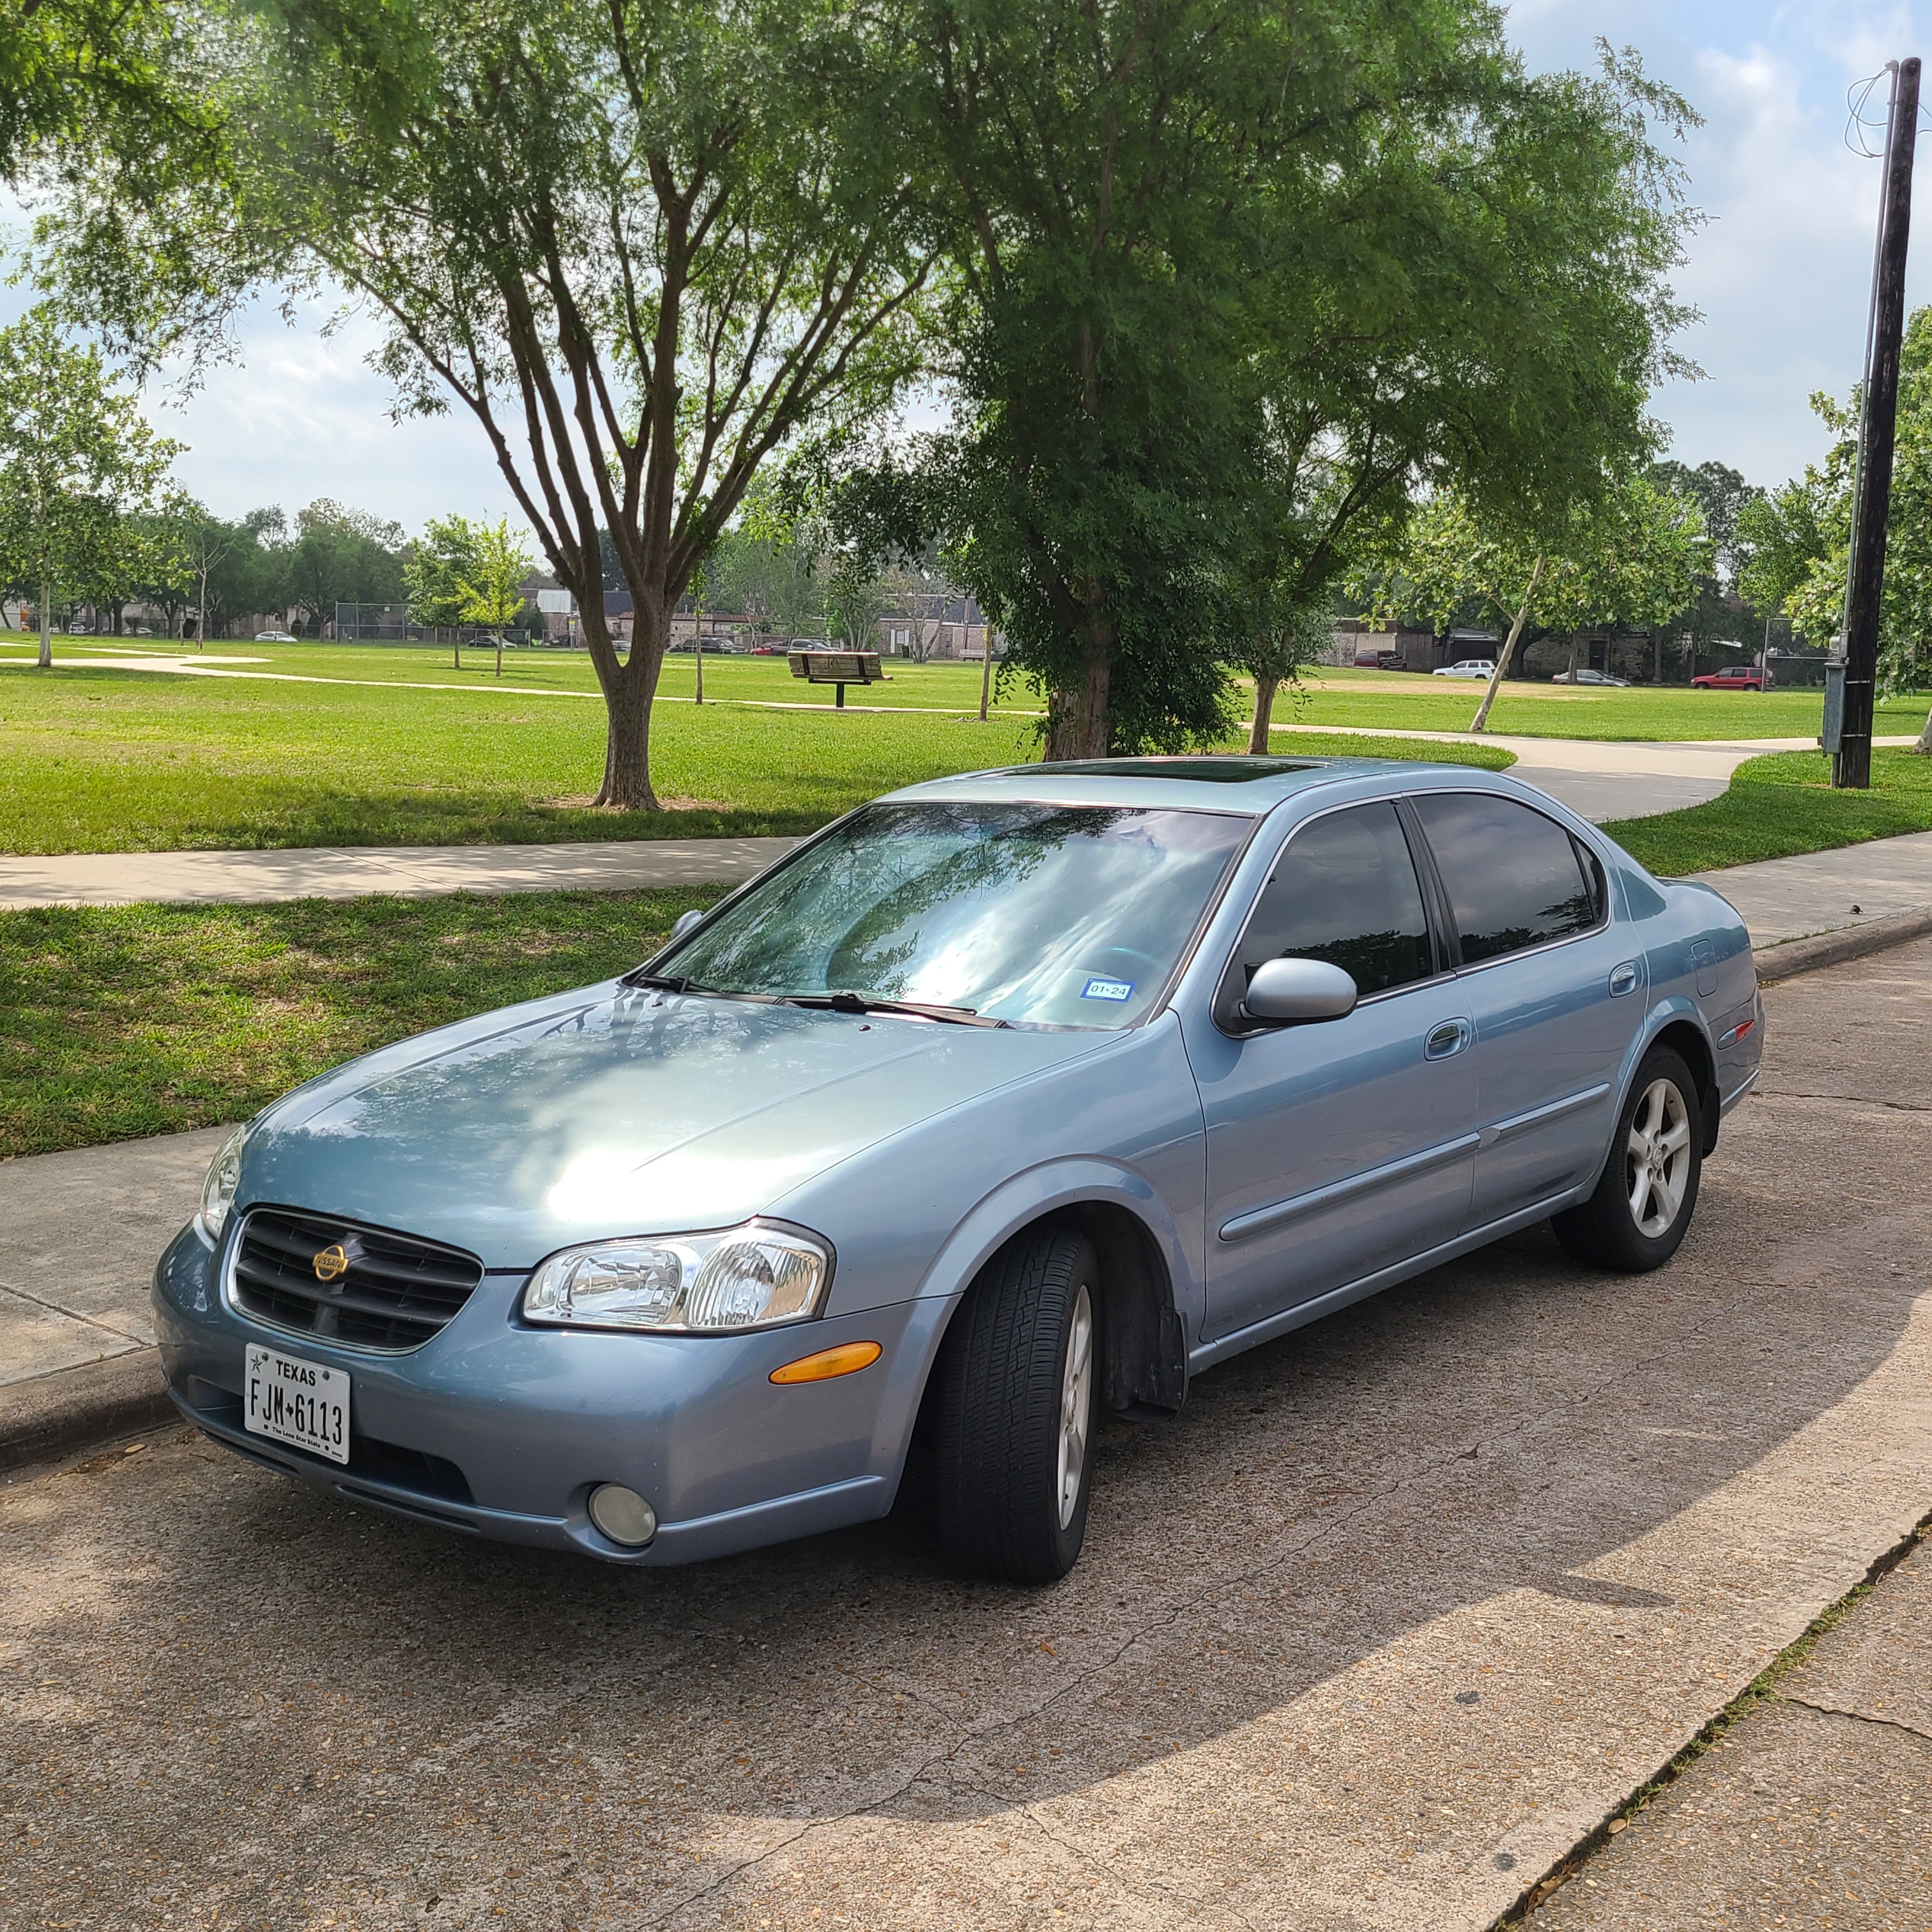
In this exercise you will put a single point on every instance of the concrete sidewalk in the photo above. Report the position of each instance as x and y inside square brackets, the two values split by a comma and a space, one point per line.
[1814, 1810]
[1599, 781]
[350, 871]
[1783, 899]
[1398, 1615]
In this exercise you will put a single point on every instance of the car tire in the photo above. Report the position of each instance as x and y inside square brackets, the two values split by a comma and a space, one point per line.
[1637, 1217]
[1013, 1443]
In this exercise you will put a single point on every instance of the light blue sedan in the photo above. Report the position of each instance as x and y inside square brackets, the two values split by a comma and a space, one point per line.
[1007, 1102]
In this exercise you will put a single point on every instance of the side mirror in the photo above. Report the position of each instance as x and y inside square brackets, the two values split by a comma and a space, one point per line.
[1285, 991]
[685, 921]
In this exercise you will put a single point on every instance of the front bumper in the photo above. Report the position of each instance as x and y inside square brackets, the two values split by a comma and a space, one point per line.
[502, 1429]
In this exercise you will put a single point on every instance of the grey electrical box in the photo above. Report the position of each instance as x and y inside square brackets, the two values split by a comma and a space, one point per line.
[1835, 705]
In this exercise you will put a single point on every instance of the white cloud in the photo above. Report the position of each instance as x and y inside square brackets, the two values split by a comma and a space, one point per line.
[303, 415]
[1782, 269]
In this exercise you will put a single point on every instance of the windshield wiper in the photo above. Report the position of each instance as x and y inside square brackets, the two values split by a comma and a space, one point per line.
[665, 982]
[863, 1003]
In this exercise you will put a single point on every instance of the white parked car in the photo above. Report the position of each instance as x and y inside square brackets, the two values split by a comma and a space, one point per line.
[276, 637]
[1481, 668]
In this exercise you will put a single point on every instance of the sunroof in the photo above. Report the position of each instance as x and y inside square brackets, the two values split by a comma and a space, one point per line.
[1198, 769]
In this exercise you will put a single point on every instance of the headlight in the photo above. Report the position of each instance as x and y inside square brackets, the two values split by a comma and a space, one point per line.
[755, 1277]
[224, 1176]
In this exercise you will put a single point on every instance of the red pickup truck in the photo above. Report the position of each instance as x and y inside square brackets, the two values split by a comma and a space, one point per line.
[1740, 679]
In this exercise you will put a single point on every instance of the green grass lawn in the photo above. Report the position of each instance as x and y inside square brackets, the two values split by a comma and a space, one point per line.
[121, 1021]
[1332, 696]
[99, 759]
[116, 1021]
[1782, 805]
[1394, 701]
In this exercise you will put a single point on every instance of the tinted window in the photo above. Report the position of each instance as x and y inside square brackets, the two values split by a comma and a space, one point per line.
[1512, 875]
[1345, 890]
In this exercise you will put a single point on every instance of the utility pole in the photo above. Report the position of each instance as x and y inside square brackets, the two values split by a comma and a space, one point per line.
[1851, 765]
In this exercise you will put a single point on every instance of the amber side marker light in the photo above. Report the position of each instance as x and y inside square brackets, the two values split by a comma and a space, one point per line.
[845, 1360]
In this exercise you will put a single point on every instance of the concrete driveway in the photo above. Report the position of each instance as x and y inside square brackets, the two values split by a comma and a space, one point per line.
[1395, 1611]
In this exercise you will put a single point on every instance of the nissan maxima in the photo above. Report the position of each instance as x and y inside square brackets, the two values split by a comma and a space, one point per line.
[1007, 1103]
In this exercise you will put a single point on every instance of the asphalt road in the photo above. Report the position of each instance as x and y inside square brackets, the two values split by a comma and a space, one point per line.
[1394, 1615]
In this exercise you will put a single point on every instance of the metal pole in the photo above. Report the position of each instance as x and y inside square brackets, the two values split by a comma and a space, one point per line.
[1851, 767]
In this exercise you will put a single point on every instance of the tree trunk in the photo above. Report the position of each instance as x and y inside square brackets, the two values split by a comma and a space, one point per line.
[1657, 655]
[698, 646]
[1482, 718]
[46, 662]
[1258, 732]
[985, 671]
[629, 689]
[1077, 723]
[1924, 747]
[1571, 667]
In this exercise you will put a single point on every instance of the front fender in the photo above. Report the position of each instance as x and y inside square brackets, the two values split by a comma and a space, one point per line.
[1081, 1180]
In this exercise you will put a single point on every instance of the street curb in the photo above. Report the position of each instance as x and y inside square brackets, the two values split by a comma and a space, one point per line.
[53, 1415]
[1831, 948]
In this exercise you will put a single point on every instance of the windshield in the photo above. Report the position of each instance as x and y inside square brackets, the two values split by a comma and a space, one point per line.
[1048, 914]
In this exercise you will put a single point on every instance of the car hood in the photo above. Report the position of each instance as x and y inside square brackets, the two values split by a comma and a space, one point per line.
[616, 1111]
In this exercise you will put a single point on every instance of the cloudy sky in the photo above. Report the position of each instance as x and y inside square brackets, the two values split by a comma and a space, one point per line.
[1781, 272]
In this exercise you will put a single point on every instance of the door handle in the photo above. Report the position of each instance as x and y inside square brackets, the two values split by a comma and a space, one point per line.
[1623, 979]
[1449, 1037]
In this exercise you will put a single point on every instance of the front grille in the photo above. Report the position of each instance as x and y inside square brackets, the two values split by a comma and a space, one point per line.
[396, 1291]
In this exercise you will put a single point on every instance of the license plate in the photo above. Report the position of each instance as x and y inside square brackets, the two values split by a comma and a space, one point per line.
[298, 1402]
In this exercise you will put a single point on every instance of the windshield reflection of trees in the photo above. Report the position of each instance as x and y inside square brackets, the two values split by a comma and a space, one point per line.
[974, 905]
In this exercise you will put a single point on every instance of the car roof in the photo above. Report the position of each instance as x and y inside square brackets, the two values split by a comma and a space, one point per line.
[1212, 782]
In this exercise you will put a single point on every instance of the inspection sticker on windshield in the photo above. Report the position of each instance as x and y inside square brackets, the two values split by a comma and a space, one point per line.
[1109, 989]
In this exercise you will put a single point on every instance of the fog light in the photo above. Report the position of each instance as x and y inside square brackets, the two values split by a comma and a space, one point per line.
[623, 1515]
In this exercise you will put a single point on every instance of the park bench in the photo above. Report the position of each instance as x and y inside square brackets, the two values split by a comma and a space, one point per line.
[838, 667]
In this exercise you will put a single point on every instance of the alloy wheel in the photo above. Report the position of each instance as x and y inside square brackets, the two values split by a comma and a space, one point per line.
[1076, 1404]
[1657, 1158]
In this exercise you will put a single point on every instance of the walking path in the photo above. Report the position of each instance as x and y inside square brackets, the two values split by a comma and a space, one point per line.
[410, 871]
[1599, 781]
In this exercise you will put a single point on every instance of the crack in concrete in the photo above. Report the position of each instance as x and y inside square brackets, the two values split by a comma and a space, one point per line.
[1848, 1099]
[1150, 1892]
[74, 1315]
[1857, 1717]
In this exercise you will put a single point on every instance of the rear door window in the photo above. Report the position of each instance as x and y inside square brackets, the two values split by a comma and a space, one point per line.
[1344, 890]
[1514, 878]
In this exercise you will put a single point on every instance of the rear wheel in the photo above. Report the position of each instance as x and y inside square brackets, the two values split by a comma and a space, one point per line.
[1013, 1443]
[1638, 1216]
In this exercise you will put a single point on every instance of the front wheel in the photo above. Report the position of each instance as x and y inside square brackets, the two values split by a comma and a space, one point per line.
[1642, 1208]
[1016, 1412]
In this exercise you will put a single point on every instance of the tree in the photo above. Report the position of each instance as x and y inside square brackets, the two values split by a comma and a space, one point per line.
[1630, 557]
[343, 555]
[102, 73]
[439, 565]
[76, 461]
[1196, 239]
[1722, 496]
[493, 590]
[1799, 538]
[644, 245]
